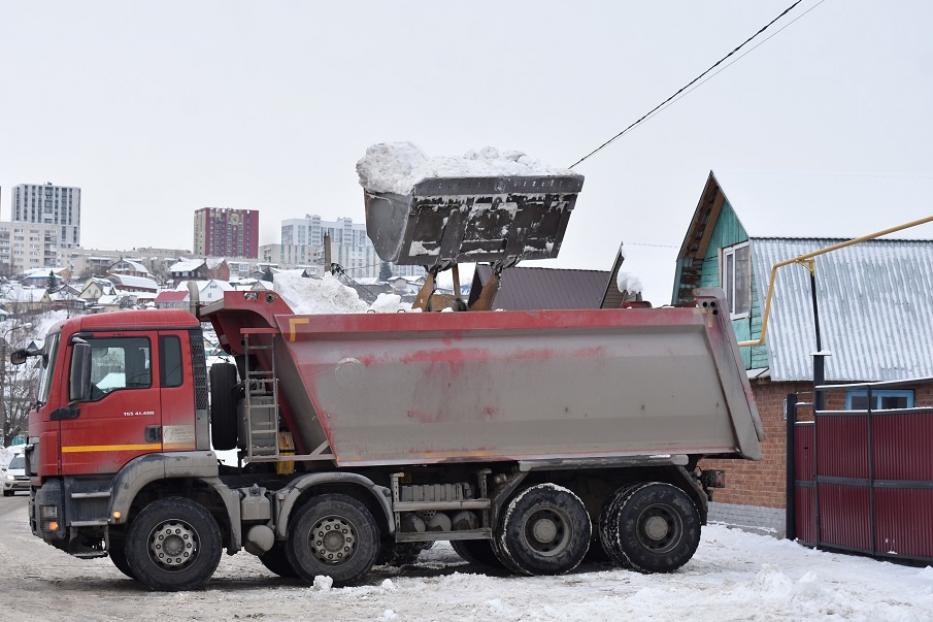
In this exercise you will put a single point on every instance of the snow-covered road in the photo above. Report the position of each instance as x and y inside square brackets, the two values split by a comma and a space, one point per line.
[734, 576]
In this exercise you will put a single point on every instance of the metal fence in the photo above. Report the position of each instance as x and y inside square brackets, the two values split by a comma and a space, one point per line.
[861, 480]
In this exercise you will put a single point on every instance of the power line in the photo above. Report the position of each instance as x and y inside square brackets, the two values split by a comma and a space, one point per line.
[738, 58]
[688, 84]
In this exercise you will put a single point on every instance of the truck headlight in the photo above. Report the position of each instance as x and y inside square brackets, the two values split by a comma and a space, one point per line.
[9, 477]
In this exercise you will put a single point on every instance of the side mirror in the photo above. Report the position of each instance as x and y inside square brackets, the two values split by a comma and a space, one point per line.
[18, 357]
[80, 380]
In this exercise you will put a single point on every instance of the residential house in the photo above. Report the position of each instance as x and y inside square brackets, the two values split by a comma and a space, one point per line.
[39, 277]
[95, 288]
[130, 267]
[208, 291]
[875, 304]
[172, 299]
[63, 297]
[199, 270]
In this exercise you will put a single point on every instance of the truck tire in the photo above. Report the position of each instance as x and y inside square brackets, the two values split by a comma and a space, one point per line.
[478, 553]
[546, 530]
[173, 544]
[223, 381]
[276, 560]
[658, 528]
[333, 535]
[117, 552]
[608, 528]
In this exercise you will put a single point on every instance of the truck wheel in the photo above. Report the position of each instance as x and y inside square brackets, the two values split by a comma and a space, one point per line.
[276, 560]
[173, 544]
[608, 531]
[546, 530]
[333, 535]
[478, 553]
[223, 406]
[117, 551]
[658, 528]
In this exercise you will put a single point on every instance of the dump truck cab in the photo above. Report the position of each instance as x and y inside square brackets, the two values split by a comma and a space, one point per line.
[113, 389]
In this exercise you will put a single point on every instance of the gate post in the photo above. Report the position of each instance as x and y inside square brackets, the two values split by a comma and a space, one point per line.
[790, 462]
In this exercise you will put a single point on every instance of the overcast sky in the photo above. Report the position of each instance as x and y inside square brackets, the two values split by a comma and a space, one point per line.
[157, 109]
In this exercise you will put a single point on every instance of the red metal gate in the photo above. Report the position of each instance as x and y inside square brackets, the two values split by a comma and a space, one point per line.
[862, 480]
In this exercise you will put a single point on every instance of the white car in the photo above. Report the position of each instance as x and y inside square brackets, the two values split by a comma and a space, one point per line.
[14, 476]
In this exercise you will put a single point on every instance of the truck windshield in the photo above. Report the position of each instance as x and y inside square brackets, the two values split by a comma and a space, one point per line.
[48, 367]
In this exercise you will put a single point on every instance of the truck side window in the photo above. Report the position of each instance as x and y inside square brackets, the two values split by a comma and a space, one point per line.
[170, 361]
[119, 363]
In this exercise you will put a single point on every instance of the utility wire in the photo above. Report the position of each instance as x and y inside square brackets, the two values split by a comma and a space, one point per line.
[687, 85]
[736, 59]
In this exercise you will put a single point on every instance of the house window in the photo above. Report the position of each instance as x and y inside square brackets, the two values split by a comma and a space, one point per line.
[857, 399]
[737, 279]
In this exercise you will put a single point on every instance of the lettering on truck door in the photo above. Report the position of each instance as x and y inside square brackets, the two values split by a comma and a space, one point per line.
[122, 418]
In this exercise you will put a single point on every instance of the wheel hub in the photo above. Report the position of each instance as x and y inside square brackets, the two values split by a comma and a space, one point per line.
[173, 544]
[547, 532]
[333, 540]
[656, 528]
[544, 530]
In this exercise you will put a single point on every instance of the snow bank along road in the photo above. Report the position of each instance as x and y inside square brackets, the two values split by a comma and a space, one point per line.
[734, 576]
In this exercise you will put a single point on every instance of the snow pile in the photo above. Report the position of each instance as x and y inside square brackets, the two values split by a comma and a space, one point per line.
[628, 282]
[306, 295]
[323, 583]
[389, 303]
[309, 296]
[396, 167]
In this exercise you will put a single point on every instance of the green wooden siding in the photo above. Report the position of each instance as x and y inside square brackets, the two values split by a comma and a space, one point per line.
[728, 232]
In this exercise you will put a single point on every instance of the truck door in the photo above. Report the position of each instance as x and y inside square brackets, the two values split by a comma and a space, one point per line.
[123, 417]
[177, 391]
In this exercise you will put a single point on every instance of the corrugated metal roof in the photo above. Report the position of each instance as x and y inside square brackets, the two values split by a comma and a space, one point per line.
[544, 288]
[876, 308]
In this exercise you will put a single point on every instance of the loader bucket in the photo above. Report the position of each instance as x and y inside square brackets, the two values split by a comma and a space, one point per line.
[448, 220]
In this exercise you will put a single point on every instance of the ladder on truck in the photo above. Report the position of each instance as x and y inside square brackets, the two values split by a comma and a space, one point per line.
[261, 394]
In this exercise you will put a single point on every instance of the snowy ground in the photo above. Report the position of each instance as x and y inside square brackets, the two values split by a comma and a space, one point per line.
[734, 576]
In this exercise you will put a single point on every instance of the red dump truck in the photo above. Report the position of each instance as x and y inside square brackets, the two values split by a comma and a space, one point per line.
[529, 440]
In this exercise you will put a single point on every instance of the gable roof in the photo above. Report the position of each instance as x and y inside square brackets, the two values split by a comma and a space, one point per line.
[544, 288]
[875, 301]
[132, 264]
[186, 265]
[140, 282]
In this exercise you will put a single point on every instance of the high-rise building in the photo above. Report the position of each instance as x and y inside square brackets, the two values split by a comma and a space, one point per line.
[50, 205]
[225, 232]
[303, 245]
[26, 246]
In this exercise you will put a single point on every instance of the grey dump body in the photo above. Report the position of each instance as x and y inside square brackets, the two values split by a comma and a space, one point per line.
[472, 219]
[429, 388]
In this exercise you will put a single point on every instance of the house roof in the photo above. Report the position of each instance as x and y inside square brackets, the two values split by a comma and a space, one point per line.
[544, 288]
[791, 203]
[132, 264]
[140, 282]
[875, 301]
[186, 265]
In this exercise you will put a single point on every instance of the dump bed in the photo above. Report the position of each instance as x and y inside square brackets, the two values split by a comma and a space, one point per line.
[424, 388]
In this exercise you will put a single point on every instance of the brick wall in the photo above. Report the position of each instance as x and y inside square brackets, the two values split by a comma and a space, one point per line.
[763, 483]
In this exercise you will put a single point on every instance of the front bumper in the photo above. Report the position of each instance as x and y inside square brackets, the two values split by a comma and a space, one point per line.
[17, 484]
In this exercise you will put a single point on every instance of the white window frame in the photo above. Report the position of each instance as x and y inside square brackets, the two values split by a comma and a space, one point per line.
[723, 263]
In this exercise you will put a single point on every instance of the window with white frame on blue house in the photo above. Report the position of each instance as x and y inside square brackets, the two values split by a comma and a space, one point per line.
[882, 399]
